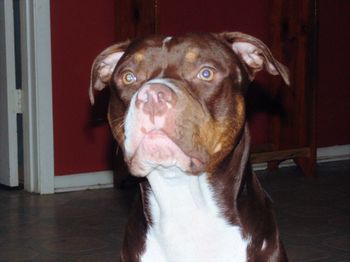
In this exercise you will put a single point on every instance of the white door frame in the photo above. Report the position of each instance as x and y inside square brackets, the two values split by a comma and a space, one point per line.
[37, 96]
[8, 98]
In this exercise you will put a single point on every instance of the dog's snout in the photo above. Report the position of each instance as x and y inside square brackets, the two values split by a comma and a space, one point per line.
[155, 99]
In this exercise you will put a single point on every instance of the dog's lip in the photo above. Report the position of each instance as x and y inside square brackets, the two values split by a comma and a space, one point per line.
[196, 166]
[155, 133]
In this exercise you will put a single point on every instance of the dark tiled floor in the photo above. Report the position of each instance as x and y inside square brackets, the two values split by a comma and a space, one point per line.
[313, 215]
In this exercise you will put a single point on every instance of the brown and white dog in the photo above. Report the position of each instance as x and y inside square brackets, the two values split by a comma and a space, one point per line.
[177, 109]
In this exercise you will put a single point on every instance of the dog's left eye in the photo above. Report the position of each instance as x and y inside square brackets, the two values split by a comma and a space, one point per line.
[128, 78]
[206, 74]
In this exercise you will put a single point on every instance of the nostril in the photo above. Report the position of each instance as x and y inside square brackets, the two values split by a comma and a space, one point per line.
[143, 96]
[160, 96]
[155, 95]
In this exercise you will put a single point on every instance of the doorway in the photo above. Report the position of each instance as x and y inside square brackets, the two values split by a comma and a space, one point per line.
[26, 136]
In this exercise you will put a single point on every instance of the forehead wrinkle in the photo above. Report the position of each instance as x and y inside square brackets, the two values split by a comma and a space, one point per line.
[199, 53]
[165, 50]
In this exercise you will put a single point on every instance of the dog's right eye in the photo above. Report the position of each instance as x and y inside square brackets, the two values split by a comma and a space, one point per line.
[128, 78]
[206, 74]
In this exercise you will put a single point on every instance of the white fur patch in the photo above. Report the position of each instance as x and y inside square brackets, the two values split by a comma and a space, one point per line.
[135, 120]
[239, 75]
[264, 245]
[167, 39]
[187, 223]
[163, 81]
[131, 119]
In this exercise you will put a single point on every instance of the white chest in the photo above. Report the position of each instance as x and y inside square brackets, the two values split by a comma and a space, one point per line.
[187, 225]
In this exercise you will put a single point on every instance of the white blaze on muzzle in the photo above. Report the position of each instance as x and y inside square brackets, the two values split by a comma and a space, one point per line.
[147, 144]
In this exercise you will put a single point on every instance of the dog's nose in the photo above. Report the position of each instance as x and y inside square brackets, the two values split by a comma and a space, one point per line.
[156, 99]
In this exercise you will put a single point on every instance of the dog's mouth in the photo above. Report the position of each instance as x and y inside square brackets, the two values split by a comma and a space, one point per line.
[156, 149]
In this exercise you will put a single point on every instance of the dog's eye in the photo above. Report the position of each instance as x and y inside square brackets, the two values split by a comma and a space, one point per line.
[128, 78]
[206, 74]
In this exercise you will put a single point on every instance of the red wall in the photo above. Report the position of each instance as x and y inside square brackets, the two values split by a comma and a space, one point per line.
[333, 107]
[333, 99]
[81, 29]
[251, 17]
[181, 16]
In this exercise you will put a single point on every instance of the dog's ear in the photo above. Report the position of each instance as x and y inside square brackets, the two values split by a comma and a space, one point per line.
[103, 67]
[255, 55]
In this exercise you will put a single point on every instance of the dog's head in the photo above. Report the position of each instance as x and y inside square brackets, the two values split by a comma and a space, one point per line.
[179, 101]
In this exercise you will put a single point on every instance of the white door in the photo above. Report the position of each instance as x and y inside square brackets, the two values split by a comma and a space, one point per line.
[8, 98]
[34, 103]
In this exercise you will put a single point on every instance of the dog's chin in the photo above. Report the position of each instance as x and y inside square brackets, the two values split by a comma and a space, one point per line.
[156, 150]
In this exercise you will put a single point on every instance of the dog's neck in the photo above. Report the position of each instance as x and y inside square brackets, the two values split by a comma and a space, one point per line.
[187, 222]
[175, 192]
[172, 187]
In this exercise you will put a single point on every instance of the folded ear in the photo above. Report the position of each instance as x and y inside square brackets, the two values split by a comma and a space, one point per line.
[103, 67]
[255, 55]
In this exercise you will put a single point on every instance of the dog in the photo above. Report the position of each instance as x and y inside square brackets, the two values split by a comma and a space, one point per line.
[177, 109]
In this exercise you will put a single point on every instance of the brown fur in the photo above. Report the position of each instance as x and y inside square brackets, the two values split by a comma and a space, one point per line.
[207, 122]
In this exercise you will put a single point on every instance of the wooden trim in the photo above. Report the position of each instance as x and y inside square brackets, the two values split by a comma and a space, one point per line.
[280, 155]
[294, 27]
[324, 155]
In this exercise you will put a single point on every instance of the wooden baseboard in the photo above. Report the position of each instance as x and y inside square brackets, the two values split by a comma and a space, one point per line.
[84, 181]
[104, 179]
[324, 154]
[280, 155]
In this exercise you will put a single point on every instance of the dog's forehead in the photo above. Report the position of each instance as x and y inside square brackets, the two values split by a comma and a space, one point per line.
[189, 48]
